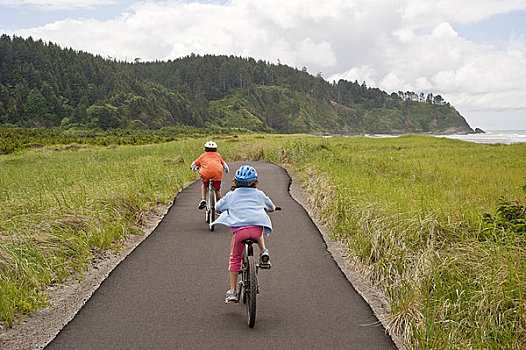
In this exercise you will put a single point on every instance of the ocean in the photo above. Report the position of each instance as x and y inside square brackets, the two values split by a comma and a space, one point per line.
[492, 136]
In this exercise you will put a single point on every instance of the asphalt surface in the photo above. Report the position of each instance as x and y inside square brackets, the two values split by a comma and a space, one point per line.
[169, 292]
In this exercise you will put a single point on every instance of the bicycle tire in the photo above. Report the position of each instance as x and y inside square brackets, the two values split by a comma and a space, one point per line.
[244, 279]
[212, 218]
[252, 290]
[212, 206]
[207, 207]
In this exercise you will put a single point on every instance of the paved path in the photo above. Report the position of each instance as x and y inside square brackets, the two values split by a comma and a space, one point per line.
[169, 293]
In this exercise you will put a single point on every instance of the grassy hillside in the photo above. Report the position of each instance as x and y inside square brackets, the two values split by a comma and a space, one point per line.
[275, 108]
[270, 108]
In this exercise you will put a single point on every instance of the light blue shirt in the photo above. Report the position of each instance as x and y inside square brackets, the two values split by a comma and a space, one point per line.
[245, 206]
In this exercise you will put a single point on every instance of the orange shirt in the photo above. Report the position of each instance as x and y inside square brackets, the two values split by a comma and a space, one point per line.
[211, 165]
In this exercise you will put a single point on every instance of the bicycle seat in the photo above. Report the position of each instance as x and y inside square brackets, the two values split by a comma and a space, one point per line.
[250, 240]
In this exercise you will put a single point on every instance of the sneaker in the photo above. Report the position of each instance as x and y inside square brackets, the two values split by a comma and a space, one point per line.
[231, 297]
[264, 257]
[202, 204]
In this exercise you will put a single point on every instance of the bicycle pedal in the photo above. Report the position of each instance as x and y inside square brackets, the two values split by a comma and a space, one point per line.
[265, 266]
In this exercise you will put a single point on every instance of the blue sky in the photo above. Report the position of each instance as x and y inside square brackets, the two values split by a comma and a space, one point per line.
[15, 15]
[495, 30]
[472, 52]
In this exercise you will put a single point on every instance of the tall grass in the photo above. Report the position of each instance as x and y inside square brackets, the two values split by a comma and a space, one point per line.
[60, 207]
[410, 211]
[14, 138]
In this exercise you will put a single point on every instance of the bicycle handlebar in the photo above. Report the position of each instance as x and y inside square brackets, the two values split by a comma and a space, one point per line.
[275, 209]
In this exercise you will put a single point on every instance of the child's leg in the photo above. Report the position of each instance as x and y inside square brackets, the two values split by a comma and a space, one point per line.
[202, 201]
[236, 251]
[203, 191]
[217, 188]
[263, 252]
[233, 279]
[234, 266]
[261, 242]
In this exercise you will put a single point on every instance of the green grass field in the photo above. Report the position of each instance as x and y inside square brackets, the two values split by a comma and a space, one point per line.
[58, 207]
[424, 218]
[410, 210]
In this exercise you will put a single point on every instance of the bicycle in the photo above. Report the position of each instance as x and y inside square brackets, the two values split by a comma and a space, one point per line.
[248, 286]
[210, 212]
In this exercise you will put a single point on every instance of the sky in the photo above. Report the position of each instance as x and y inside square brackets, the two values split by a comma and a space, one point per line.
[472, 52]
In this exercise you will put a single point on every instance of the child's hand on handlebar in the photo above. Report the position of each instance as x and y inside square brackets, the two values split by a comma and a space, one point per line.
[275, 209]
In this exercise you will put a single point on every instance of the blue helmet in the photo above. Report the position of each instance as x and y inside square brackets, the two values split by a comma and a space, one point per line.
[246, 174]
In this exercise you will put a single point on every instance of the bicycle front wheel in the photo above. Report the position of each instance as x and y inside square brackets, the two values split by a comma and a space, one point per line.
[212, 218]
[251, 291]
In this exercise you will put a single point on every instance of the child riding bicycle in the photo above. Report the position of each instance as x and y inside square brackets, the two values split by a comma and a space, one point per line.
[244, 210]
[210, 165]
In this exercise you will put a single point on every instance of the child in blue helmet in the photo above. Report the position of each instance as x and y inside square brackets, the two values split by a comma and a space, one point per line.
[244, 209]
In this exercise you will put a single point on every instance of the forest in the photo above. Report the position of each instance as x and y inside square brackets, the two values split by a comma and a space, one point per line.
[43, 85]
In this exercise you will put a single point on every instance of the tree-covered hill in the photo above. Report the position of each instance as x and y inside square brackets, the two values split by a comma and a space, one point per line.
[44, 85]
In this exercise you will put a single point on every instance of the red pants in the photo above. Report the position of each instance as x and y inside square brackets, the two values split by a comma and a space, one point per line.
[216, 184]
[236, 247]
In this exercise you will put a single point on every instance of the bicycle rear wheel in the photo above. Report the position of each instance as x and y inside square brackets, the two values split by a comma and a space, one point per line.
[251, 290]
[207, 207]
[211, 207]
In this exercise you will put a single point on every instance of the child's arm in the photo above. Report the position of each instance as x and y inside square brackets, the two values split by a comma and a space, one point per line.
[267, 202]
[196, 164]
[224, 164]
[222, 204]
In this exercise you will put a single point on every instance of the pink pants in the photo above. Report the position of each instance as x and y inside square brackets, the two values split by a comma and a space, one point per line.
[236, 248]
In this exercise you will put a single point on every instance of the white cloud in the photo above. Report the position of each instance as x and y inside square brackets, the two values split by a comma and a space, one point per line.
[393, 44]
[425, 14]
[320, 54]
[472, 75]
